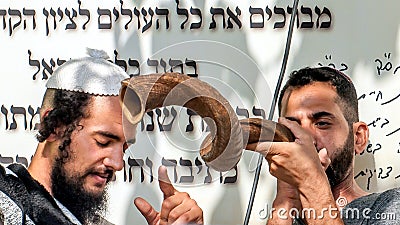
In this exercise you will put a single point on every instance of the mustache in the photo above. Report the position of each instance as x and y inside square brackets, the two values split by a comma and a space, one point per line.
[106, 173]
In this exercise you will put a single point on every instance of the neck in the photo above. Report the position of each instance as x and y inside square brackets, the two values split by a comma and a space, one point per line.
[41, 165]
[348, 189]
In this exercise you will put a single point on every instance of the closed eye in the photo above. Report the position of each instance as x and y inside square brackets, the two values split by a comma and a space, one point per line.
[102, 144]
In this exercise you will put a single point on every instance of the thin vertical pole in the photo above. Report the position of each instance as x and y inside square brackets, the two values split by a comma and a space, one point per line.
[272, 109]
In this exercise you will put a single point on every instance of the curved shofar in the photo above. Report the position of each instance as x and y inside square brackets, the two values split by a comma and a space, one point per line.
[143, 93]
[222, 148]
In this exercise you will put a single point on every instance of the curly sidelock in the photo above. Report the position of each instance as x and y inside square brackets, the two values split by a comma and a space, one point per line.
[222, 148]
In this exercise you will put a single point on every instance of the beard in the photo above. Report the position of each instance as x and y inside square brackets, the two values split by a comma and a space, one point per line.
[341, 163]
[69, 190]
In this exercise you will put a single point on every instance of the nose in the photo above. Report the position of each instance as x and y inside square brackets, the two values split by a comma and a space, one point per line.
[306, 126]
[114, 159]
[310, 128]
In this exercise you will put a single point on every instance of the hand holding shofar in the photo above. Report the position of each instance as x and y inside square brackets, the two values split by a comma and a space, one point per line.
[222, 148]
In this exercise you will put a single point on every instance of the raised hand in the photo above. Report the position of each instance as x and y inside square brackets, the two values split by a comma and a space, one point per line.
[177, 207]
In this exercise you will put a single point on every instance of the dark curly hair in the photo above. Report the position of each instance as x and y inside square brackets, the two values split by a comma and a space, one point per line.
[67, 110]
[344, 88]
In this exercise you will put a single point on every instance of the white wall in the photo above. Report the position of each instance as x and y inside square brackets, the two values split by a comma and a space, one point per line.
[242, 63]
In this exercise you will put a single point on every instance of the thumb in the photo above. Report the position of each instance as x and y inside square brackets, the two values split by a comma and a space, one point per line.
[269, 149]
[164, 182]
[261, 147]
[324, 158]
[148, 212]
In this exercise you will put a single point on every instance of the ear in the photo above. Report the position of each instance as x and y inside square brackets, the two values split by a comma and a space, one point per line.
[43, 114]
[361, 135]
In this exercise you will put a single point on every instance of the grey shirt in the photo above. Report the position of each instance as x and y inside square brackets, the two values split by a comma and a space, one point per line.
[378, 208]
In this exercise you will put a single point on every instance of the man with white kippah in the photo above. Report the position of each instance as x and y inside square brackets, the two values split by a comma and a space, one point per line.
[81, 146]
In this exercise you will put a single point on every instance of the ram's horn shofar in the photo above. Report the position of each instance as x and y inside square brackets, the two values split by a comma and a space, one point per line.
[222, 148]
[147, 92]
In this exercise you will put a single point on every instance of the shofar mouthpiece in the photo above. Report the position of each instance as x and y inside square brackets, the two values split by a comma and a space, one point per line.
[258, 130]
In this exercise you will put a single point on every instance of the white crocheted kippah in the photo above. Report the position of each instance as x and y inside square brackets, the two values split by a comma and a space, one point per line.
[93, 75]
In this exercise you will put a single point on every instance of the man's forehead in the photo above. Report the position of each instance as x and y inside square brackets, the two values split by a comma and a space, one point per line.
[104, 112]
[102, 100]
[315, 95]
[313, 88]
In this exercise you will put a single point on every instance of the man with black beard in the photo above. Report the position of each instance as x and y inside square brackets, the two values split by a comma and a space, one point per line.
[315, 176]
[81, 145]
[68, 190]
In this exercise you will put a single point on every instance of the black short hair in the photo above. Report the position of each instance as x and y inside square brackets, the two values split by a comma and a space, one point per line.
[344, 88]
[67, 110]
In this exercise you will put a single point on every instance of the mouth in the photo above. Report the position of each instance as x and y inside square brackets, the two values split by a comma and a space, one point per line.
[102, 178]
